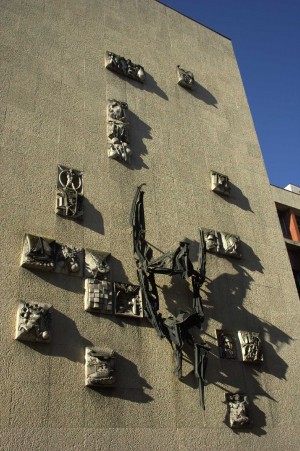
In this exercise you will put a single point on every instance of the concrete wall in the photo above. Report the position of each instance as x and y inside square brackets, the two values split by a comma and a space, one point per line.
[54, 111]
[283, 197]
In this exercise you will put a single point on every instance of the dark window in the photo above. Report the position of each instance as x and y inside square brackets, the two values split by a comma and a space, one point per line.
[297, 280]
[284, 225]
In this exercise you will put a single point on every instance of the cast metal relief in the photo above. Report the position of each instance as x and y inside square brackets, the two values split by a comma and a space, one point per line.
[238, 410]
[38, 253]
[98, 296]
[179, 330]
[251, 346]
[106, 297]
[226, 344]
[220, 183]
[34, 322]
[47, 255]
[69, 193]
[185, 78]
[69, 260]
[99, 367]
[222, 243]
[124, 66]
[117, 130]
[127, 300]
[96, 265]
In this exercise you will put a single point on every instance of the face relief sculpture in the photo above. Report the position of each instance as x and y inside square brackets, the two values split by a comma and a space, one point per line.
[33, 322]
[222, 243]
[211, 241]
[99, 367]
[117, 130]
[124, 66]
[226, 343]
[238, 407]
[251, 346]
[185, 78]
[230, 244]
[69, 194]
[220, 183]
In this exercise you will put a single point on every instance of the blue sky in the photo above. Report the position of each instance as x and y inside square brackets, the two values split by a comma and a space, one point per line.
[266, 40]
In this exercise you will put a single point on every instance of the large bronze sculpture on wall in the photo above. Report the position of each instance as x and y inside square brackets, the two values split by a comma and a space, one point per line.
[180, 329]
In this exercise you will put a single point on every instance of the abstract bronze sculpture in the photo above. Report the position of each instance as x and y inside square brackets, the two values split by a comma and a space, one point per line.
[124, 66]
[177, 330]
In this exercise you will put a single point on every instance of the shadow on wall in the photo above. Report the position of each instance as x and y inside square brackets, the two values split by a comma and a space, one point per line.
[66, 340]
[150, 85]
[92, 218]
[225, 297]
[140, 132]
[255, 413]
[63, 281]
[201, 93]
[117, 271]
[238, 198]
[129, 386]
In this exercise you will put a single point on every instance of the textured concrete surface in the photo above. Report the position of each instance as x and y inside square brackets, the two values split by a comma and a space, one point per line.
[285, 197]
[53, 111]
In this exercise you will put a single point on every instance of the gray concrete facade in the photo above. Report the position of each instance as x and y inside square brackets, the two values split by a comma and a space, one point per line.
[282, 196]
[53, 111]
